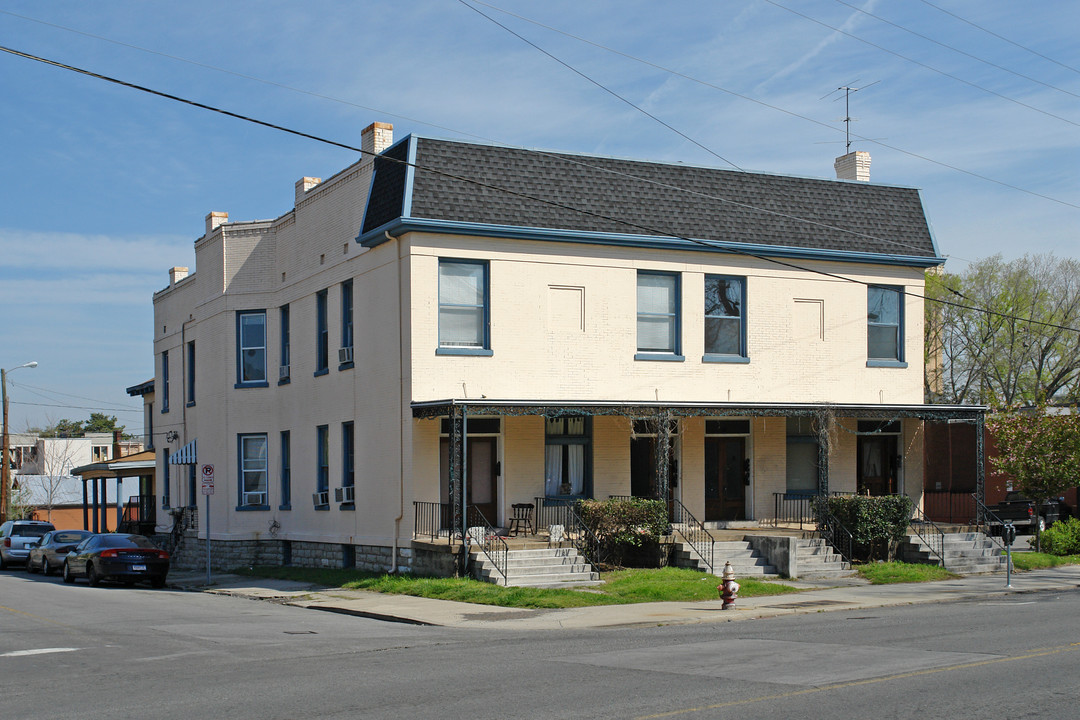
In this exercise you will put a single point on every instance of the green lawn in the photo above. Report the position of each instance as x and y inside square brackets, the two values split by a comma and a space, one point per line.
[620, 587]
[899, 572]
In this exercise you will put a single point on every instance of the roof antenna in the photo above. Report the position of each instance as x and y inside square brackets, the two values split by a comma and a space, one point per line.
[847, 90]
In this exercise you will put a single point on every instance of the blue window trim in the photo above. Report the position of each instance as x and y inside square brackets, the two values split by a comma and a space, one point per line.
[240, 507]
[347, 327]
[285, 343]
[322, 334]
[322, 475]
[675, 355]
[900, 360]
[743, 355]
[485, 350]
[189, 390]
[240, 383]
[285, 459]
[165, 484]
[164, 381]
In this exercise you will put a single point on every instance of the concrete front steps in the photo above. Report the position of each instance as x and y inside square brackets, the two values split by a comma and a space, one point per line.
[817, 560]
[744, 559]
[966, 553]
[546, 567]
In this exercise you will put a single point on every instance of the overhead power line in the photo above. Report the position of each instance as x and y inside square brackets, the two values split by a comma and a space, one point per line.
[675, 73]
[479, 183]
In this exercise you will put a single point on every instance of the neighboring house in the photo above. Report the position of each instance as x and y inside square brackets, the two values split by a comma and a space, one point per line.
[539, 327]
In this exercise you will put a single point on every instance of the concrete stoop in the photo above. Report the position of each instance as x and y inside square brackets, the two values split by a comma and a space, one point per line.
[965, 553]
[817, 560]
[744, 559]
[536, 567]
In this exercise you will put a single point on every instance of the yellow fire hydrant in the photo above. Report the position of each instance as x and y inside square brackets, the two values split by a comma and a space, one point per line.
[728, 589]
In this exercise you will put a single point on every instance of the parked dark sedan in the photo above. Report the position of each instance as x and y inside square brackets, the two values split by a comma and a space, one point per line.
[117, 556]
[48, 554]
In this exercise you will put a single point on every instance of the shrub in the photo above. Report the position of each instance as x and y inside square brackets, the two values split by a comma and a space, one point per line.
[877, 524]
[625, 526]
[1062, 538]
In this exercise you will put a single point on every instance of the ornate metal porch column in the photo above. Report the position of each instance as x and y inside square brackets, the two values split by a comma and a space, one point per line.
[457, 480]
[980, 468]
[661, 455]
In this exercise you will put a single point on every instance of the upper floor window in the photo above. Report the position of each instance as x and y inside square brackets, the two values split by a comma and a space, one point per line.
[286, 351]
[254, 471]
[322, 335]
[165, 381]
[191, 373]
[884, 325]
[725, 318]
[345, 355]
[658, 321]
[251, 347]
[463, 308]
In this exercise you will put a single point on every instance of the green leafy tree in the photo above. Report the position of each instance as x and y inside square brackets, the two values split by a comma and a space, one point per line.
[98, 423]
[1007, 332]
[1040, 449]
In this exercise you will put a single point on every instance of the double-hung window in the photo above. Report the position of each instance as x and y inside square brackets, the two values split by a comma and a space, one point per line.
[464, 327]
[885, 326]
[345, 354]
[165, 381]
[658, 322]
[725, 319]
[191, 373]
[322, 467]
[251, 348]
[254, 472]
[348, 472]
[286, 351]
[322, 335]
[286, 471]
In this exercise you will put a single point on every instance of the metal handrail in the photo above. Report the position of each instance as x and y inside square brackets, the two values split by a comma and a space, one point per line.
[929, 533]
[564, 512]
[431, 520]
[491, 544]
[982, 524]
[833, 531]
[695, 534]
[792, 508]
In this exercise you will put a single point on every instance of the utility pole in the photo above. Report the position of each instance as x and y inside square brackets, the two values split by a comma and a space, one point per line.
[5, 470]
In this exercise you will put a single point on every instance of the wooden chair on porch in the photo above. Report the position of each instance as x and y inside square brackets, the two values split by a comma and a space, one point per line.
[522, 517]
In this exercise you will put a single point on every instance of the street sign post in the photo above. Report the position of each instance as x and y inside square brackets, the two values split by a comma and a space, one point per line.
[207, 475]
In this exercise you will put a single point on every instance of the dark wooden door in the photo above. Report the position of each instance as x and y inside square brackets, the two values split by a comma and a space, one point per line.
[481, 484]
[725, 478]
[878, 465]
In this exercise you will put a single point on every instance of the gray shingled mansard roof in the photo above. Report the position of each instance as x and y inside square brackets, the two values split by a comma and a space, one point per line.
[634, 198]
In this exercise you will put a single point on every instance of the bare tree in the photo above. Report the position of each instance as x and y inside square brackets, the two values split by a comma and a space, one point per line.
[48, 485]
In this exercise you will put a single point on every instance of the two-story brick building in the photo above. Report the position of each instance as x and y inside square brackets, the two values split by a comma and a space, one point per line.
[535, 326]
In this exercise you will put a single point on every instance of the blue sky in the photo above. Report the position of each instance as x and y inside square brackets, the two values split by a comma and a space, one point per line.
[107, 187]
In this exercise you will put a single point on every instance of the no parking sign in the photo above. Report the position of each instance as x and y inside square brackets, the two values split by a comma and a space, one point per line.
[207, 479]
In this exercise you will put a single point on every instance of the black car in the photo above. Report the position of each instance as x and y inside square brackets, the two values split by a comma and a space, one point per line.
[117, 556]
[48, 554]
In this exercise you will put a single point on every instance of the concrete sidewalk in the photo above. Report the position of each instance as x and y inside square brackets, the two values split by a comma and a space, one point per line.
[845, 594]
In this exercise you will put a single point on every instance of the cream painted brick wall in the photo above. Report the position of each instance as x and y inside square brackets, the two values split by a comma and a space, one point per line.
[769, 463]
[692, 465]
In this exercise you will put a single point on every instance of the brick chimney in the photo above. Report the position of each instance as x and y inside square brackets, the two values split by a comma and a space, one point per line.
[303, 185]
[853, 166]
[177, 274]
[214, 220]
[376, 137]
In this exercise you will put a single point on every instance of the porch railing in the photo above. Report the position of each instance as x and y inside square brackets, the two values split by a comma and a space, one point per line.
[139, 514]
[551, 511]
[792, 508]
[694, 533]
[928, 532]
[488, 541]
[432, 520]
[949, 507]
[833, 531]
[986, 520]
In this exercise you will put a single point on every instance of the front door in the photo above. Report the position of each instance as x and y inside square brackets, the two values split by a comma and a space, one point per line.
[643, 468]
[878, 465]
[725, 478]
[481, 486]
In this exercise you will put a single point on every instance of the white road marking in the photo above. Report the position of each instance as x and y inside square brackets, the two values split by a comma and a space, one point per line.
[39, 651]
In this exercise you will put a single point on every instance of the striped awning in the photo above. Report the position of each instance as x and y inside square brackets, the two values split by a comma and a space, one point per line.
[185, 455]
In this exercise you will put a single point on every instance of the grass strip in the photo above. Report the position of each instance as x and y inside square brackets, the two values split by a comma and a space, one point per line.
[886, 573]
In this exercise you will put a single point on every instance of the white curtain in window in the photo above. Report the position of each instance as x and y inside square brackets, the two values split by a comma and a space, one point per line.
[576, 469]
[553, 470]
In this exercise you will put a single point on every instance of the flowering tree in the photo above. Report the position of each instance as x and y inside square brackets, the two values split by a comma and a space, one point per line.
[1040, 449]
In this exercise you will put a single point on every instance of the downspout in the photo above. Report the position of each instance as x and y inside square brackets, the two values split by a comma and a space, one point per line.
[401, 418]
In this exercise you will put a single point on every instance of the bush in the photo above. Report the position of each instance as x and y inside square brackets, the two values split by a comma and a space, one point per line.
[627, 528]
[1062, 538]
[877, 524]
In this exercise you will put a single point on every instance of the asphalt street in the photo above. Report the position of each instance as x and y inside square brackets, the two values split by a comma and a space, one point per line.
[115, 652]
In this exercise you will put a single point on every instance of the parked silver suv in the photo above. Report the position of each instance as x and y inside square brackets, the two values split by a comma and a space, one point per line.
[16, 535]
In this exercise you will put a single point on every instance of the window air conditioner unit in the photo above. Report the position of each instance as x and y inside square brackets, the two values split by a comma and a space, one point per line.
[254, 498]
[283, 372]
[344, 355]
[343, 494]
[321, 498]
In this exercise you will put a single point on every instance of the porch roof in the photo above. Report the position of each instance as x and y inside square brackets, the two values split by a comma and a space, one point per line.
[486, 406]
[141, 463]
